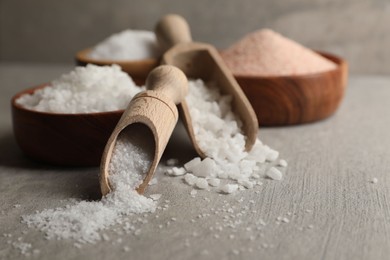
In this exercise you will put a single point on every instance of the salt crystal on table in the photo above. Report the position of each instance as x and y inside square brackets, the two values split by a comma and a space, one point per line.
[155, 196]
[189, 166]
[229, 188]
[283, 163]
[374, 180]
[175, 171]
[201, 183]
[274, 174]
[203, 168]
[214, 182]
[153, 181]
[190, 179]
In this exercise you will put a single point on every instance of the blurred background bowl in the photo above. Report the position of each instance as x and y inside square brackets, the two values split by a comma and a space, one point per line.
[137, 69]
[290, 100]
[62, 139]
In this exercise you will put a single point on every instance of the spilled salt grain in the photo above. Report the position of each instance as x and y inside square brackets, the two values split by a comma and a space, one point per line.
[201, 183]
[374, 180]
[155, 196]
[89, 89]
[283, 163]
[274, 174]
[190, 179]
[189, 166]
[127, 45]
[214, 182]
[153, 182]
[176, 171]
[83, 220]
[229, 188]
[267, 53]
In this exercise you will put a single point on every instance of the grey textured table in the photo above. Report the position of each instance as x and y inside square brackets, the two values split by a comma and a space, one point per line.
[334, 211]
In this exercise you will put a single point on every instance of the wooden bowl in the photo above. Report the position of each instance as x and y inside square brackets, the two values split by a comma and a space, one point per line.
[62, 139]
[138, 69]
[289, 100]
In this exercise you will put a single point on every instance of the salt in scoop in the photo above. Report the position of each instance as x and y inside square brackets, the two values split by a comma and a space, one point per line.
[200, 60]
[148, 121]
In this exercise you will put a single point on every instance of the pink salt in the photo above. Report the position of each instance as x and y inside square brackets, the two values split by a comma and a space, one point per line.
[267, 53]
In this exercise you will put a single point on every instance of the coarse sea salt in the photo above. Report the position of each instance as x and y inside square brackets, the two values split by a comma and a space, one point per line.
[274, 174]
[218, 133]
[127, 45]
[83, 220]
[89, 89]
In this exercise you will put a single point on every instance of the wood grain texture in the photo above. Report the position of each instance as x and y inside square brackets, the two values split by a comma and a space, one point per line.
[138, 70]
[154, 108]
[62, 139]
[291, 100]
[199, 60]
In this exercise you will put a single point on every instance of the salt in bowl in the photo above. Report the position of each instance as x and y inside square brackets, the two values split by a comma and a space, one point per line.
[62, 139]
[137, 69]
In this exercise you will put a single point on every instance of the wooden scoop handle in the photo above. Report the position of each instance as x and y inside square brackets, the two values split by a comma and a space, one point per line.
[171, 30]
[168, 81]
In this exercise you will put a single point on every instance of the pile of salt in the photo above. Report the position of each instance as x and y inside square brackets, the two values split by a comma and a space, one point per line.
[267, 53]
[218, 133]
[127, 45]
[87, 89]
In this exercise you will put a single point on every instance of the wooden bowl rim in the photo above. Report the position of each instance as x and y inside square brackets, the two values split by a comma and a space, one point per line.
[49, 114]
[340, 62]
[82, 56]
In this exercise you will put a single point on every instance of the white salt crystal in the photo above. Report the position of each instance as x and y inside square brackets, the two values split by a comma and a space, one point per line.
[246, 183]
[374, 180]
[191, 164]
[204, 168]
[89, 89]
[153, 181]
[274, 174]
[175, 171]
[283, 163]
[193, 192]
[201, 183]
[285, 220]
[127, 45]
[229, 188]
[272, 155]
[155, 196]
[223, 175]
[190, 179]
[214, 182]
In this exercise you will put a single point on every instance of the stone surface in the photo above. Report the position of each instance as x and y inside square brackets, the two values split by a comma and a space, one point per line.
[333, 209]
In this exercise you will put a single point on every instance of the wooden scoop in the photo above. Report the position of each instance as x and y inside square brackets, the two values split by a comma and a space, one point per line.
[200, 60]
[152, 116]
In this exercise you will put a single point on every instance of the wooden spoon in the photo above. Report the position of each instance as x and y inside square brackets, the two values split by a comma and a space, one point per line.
[200, 60]
[151, 115]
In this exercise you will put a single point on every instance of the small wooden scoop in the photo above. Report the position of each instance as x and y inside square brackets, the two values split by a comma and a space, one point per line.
[199, 60]
[151, 115]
